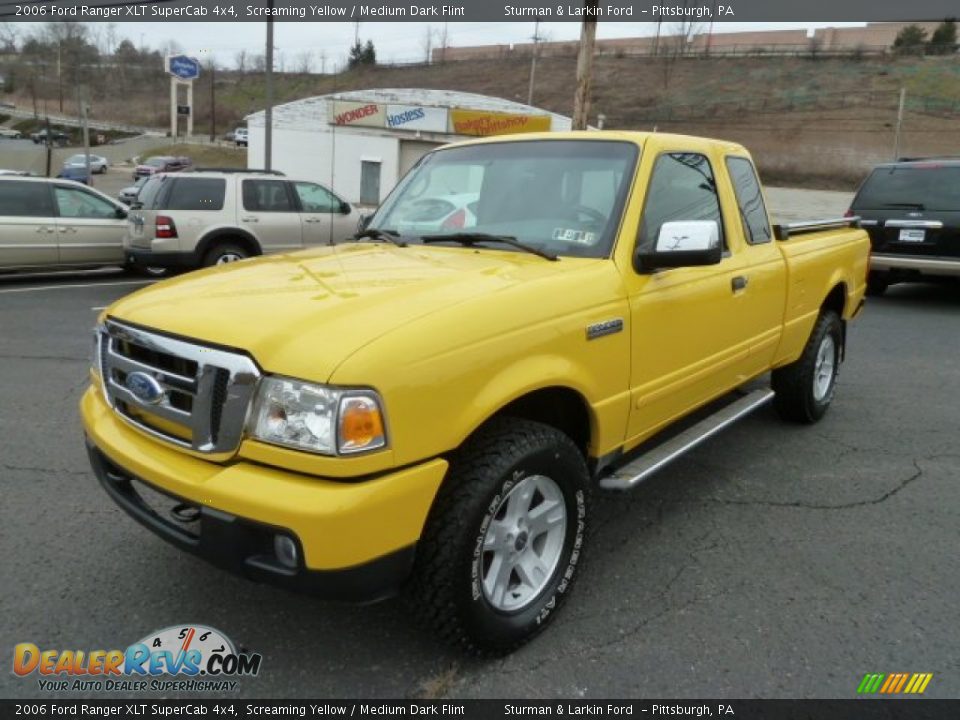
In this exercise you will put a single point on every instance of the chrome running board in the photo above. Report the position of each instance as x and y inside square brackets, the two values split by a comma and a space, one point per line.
[633, 473]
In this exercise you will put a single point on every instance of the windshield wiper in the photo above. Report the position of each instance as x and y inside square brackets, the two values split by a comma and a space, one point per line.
[390, 236]
[472, 238]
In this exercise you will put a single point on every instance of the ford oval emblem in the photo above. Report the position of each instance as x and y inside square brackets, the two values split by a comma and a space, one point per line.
[144, 388]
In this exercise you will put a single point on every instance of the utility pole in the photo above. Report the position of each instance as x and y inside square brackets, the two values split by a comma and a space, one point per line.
[656, 42]
[59, 77]
[84, 111]
[49, 146]
[213, 102]
[268, 111]
[896, 141]
[533, 61]
[588, 33]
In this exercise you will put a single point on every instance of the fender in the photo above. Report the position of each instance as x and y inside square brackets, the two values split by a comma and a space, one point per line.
[212, 236]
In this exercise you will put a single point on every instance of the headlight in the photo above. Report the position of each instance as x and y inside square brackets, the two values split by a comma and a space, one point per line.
[321, 419]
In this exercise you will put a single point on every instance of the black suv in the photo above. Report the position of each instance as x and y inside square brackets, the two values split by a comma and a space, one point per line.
[911, 209]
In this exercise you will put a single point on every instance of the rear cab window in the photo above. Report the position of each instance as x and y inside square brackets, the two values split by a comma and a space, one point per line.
[753, 212]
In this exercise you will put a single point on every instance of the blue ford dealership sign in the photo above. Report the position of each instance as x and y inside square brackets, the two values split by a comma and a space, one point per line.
[183, 67]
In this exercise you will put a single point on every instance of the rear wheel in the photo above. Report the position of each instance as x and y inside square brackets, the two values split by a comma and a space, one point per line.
[504, 538]
[805, 388]
[224, 253]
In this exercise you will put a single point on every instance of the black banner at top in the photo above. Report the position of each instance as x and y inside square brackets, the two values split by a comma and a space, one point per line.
[474, 10]
[487, 709]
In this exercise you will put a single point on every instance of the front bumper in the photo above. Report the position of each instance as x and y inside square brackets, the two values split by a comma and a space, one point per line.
[356, 540]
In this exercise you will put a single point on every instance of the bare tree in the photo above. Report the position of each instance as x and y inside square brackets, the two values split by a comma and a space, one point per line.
[8, 37]
[427, 44]
[443, 39]
[323, 62]
[674, 46]
[240, 59]
[304, 62]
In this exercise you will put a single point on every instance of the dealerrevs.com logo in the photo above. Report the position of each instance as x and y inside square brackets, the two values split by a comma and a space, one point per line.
[177, 658]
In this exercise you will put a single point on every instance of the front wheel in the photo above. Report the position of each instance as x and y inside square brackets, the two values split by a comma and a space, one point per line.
[504, 539]
[805, 388]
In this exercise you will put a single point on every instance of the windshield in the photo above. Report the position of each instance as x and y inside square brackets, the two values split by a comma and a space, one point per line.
[561, 196]
[926, 187]
[156, 162]
[76, 159]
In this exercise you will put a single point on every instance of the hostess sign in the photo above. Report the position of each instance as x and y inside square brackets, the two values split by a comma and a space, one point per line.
[183, 67]
[415, 117]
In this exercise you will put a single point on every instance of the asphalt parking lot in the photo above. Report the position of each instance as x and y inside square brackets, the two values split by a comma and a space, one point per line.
[774, 561]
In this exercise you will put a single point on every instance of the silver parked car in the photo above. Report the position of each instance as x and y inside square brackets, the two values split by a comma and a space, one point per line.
[57, 224]
[200, 218]
[98, 163]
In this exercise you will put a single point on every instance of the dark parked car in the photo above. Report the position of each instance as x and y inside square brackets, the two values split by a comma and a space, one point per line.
[57, 137]
[161, 163]
[911, 209]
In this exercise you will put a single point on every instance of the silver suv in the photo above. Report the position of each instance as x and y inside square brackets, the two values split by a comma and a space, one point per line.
[209, 217]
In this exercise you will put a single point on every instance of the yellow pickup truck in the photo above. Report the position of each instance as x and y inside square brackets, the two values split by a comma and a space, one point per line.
[426, 410]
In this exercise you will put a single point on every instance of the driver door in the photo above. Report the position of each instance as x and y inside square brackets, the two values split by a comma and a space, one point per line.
[687, 345]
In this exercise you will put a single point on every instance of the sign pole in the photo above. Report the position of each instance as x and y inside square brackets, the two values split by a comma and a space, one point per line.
[173, 108]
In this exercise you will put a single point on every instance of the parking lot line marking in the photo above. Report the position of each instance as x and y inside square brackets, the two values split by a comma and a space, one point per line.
[65, 287]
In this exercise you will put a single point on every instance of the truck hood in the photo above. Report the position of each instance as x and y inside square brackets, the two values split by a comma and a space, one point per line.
[302, 314]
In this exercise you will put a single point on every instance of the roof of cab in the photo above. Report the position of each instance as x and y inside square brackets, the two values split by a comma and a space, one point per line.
[636, 137]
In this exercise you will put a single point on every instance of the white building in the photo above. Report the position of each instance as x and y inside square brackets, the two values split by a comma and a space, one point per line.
[360, 143]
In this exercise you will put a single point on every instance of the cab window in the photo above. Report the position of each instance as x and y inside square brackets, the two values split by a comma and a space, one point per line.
[682, 187]
[753, 213]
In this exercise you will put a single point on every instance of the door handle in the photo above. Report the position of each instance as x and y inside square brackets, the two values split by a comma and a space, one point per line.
[738, 283]
[250, 219]
[313, 220]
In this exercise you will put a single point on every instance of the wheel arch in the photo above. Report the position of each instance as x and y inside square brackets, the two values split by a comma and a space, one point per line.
[559, 406]
[248, 241]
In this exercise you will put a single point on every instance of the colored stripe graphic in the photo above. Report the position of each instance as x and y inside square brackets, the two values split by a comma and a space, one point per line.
[894, 683]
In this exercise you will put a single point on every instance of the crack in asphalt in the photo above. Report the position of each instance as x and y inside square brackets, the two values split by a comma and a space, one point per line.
[813, 506]
[42, 471]
[54, 358]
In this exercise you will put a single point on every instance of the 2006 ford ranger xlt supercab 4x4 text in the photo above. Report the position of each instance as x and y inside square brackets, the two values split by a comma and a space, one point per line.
[427, 413]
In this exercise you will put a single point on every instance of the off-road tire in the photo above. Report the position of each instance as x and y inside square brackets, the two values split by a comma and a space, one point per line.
[445, 591]
[221, 249]
[794, 384]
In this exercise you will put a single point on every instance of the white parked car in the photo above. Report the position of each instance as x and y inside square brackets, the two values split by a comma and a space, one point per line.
[240, 136]
[10, 133]
[98, 164]
[440, 213]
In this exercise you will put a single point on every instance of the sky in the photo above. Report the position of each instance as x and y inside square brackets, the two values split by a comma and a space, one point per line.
[327, 43]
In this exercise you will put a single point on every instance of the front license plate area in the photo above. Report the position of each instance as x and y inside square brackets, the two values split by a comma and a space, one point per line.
[912, 236]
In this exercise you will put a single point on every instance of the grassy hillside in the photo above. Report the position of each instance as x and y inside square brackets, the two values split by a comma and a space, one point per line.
[824, 120]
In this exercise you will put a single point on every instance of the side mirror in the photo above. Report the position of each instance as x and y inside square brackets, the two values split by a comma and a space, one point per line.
[683, 244]
[364, 221]
[120, 213]
[345, 207]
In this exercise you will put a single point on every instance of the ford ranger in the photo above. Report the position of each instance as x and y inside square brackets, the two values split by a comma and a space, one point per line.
[428, 412]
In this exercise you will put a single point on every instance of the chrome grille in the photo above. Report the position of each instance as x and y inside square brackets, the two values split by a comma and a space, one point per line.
[206, 391]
